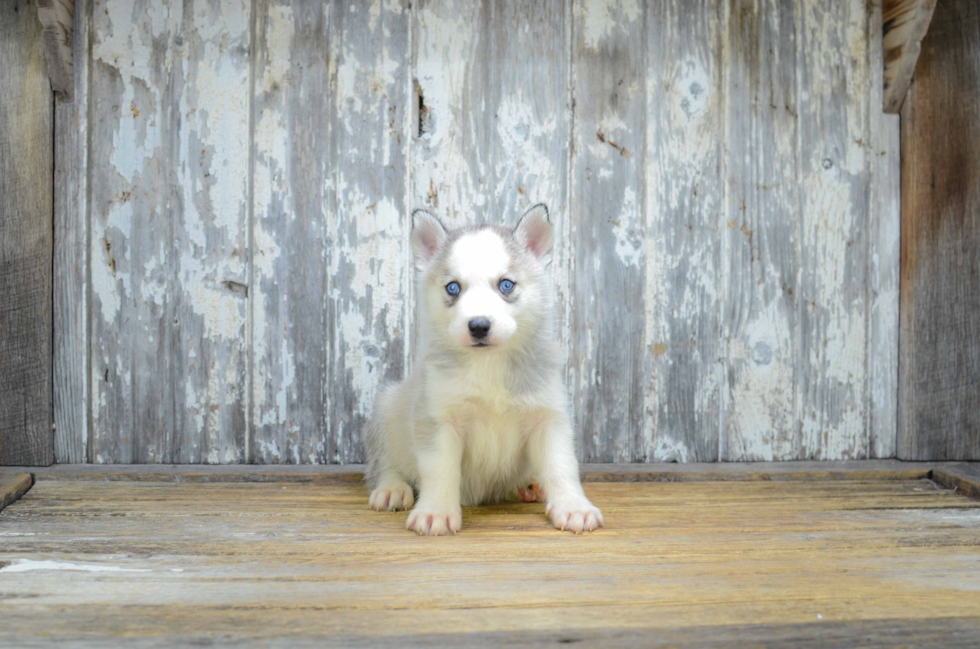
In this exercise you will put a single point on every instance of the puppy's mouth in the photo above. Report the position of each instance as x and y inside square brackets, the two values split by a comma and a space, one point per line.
[481, 343]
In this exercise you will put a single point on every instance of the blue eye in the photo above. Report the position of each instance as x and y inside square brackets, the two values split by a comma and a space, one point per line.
[452, 288]
[506, 286]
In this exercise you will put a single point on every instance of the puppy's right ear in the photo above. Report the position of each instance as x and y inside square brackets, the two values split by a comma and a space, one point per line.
[428, 235]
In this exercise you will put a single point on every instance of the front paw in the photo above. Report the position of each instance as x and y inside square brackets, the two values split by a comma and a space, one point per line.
[429, 520]
[575, 515]
[391, 497]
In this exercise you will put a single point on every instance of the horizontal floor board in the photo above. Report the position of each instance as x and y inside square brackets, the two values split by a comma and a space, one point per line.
[698, 563]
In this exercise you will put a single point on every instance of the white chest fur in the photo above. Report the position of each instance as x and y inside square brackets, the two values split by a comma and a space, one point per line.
[493, 423]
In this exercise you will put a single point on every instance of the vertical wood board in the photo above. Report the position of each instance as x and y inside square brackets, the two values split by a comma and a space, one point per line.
[761, 317]
[836, 147]
[26, 208]
[883, 343]
[939, 356]
[168, 169]
[685, 131]
[330, 273]
[71, 240]
[607, 316]
[291, 159]
[367, 260]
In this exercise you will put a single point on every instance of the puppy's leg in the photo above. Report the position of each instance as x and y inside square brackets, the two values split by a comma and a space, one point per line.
[389, 489]
[439, 460]
[552, 457]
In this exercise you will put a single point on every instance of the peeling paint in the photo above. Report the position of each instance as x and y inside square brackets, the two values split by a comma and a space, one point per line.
[600, 20]
[708, 207]
[29, 565]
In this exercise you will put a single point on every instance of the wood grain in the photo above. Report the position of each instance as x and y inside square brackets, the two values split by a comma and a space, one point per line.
[491, 124]
[209, 90]
[13, 486]
[761, 289]
[608, 237]
[288, 293]
[964, 478]
[57, 18]
[287, 562]
[368, 261]
[939, 385]
[836, 166]
[884, 274]
[906, 23]
[71, 242]
[26, 188]
[330, 266]
[685, 123]
[132, 264]
[169, 164]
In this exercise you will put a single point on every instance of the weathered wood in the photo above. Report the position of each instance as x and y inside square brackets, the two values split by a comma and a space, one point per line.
[964, 478]
[13, 486]
[330, 312]
[71, 240]
[936, 633]
[132, 266]
[885, 230]
[26, 187]
[57, 18]
[210, 166]
[608, 318]
[289, 239]
[369, 260]
[169, 170]
[685, 124]
[836, 143]
[717, 295]
[284, 563]
[906, 23]
[939, 380]
[637, 472]
[761, 287]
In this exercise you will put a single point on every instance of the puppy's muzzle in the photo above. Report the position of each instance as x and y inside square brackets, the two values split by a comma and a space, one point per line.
[479, 330]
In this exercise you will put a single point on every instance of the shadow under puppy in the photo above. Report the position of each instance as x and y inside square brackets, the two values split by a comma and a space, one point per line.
[483, 414]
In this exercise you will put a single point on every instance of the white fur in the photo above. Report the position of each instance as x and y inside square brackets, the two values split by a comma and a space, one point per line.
[480, 261]
[472, 425]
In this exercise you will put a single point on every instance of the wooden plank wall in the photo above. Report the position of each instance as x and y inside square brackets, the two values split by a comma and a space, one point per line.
[712, 169]
[940, 299]
[71, 243]
[26, 187]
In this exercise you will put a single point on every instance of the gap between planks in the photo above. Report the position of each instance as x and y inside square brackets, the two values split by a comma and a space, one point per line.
[961, 476]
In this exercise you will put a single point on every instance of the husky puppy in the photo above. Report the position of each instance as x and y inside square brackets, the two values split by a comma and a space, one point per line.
[483, 414]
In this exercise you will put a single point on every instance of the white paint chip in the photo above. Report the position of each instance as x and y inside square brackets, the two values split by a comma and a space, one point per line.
[28, 565]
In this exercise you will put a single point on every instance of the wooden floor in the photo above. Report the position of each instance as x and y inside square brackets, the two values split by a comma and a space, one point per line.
[780, 563]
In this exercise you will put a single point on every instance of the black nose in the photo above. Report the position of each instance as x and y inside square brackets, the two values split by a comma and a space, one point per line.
[479, 327]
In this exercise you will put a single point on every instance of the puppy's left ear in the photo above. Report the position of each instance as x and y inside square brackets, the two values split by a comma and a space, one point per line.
[533, 232]
[428, 235]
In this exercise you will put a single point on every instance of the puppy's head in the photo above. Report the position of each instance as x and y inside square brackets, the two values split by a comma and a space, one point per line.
[484, 287]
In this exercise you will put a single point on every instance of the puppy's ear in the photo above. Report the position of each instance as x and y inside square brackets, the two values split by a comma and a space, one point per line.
[428, 235]
[533, 232]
